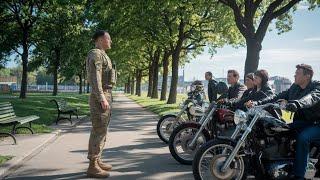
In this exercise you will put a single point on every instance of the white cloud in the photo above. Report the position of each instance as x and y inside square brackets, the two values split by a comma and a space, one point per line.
[280, 61]
[314, 39]
[289, 55]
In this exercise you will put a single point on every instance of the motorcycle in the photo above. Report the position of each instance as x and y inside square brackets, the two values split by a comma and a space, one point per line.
[262, 144]
[187, 138]
[192, 107]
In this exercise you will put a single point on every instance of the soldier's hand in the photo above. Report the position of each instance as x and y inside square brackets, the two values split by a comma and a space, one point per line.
[105, 105]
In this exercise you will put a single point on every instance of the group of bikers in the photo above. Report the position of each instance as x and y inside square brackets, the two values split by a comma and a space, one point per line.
[302, 98]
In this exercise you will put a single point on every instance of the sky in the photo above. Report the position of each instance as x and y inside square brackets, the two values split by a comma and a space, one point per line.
[279, 55]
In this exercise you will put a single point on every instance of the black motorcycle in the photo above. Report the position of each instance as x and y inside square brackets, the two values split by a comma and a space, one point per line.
[263, 146]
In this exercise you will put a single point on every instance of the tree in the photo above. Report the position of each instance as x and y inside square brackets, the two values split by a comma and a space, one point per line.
[59, 44]
[165, 65]
[21, 17]
[191, 25]
[180, 28]
[253, 19]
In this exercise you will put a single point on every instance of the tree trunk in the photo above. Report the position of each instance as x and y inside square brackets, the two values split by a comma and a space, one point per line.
[253, 56]
[138, 82]
[55, 72]
[129, 86]
[80, 84]
[25, 54]
[156, 58]
[132, 85]
[175, 65]
[174, 79]
[88, 86]
[125, 87]
[150, 79]
[84, 84]
[165, 64]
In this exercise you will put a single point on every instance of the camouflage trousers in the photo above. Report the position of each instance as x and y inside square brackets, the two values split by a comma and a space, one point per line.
[100, 121]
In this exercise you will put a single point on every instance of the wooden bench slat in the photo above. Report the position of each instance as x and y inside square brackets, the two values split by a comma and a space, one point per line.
[20, 120]
[5, 105]
[5, 120]
[1, 103]
[28, 119]
[8, 120]
[6, 115]
[6, 111]
[5, 108]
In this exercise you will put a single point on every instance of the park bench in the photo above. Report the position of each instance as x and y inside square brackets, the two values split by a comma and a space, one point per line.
[8, 118]
[63, 108]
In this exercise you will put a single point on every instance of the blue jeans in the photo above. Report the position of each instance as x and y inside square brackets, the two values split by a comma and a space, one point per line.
[307, 133]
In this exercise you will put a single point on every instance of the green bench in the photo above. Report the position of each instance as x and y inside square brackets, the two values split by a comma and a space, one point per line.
[64, 108]
[9, 118]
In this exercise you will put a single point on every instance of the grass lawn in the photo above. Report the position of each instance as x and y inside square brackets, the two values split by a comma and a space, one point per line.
[39, 104]
[157, 106]
[4, 159]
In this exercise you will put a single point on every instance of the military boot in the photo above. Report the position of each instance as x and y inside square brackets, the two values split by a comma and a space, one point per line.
[95, 171]
[104, 166]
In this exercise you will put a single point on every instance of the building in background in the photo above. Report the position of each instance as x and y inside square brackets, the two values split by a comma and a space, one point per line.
[6, 83]
[280, 84]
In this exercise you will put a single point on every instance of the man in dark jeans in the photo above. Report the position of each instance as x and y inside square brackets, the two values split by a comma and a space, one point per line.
[212, 87]
[303, 98]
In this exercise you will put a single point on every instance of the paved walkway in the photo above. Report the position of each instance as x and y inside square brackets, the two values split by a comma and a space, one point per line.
[133, 148]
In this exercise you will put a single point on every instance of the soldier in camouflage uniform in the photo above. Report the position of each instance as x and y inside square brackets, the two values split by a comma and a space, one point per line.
[101, 77]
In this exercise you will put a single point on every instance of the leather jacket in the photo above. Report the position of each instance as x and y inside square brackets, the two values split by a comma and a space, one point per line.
[212, 90]
[234, 92]
[307, 101]
[254, 95]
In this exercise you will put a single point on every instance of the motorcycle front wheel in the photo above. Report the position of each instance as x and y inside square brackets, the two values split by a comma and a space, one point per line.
[181, 138]
[210, 158]
[165, 126]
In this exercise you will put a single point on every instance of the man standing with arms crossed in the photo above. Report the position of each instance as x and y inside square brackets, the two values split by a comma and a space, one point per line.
[101, 77]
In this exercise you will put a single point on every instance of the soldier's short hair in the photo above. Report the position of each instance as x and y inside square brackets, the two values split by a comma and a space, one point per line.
[98, 34]
[307, 69]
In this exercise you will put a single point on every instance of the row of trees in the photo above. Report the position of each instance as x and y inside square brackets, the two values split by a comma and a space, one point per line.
[150, 37]
[50, 34]
[161, 36]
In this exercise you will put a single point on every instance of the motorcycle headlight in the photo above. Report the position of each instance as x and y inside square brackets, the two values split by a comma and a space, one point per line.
[240, 116]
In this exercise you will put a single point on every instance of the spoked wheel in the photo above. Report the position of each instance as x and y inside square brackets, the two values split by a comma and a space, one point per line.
[210, 158]
[180, 139]
[165, 127]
